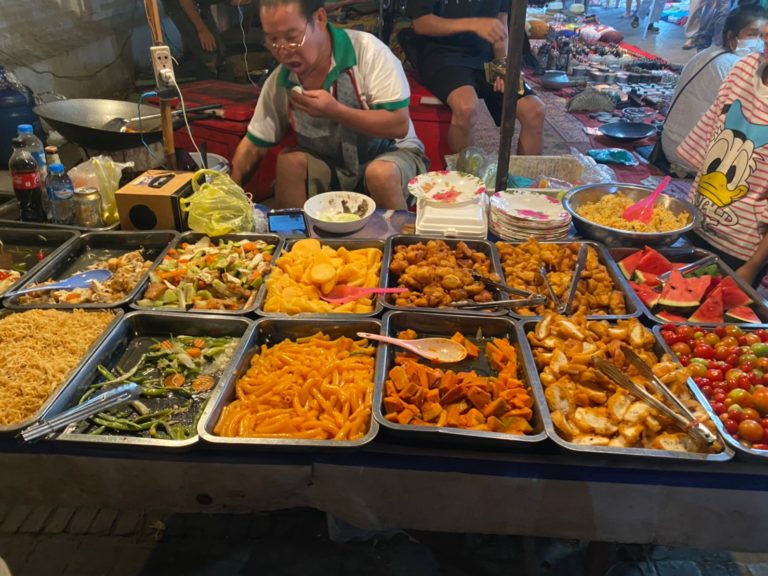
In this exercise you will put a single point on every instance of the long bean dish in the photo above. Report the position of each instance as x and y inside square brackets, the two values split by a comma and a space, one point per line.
[209, 275]
[176, 375]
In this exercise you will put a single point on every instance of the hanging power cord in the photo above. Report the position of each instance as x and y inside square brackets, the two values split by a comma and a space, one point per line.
[245, 47]
[141, 131]
[186, 121]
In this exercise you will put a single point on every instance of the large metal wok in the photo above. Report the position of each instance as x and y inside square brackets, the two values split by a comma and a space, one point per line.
[85, 121]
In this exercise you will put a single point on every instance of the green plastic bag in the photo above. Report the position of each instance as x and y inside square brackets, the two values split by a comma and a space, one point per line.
[218, 206]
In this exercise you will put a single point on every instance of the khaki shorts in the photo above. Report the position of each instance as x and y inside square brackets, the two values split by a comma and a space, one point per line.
[324, 177]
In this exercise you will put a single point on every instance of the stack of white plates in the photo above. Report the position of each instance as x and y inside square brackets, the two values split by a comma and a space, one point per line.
[517, 215]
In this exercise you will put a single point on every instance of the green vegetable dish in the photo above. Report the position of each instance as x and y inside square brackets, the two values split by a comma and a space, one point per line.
[209, 276]
[177, 376]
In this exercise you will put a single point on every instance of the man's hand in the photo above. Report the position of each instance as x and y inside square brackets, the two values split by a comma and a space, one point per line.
[489, 29]
[498, 84]
[318, 103]
[207, 40]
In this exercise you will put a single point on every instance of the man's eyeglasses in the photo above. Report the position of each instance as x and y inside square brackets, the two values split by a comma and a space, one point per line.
[289, 46]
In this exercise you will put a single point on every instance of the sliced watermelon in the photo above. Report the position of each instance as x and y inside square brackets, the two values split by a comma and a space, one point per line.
[711, 312]
[653, 262]
[627, 265]
[669, 317]
[649, 296]
[682, 292]
[647, 278]
[733, 296]
[742, 314]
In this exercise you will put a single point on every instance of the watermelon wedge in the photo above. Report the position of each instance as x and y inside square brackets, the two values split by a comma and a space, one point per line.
[653, 262]
[733, 296]
[711, 311]
[647, 278]
[680, 293]
[742, 314]
[627, 265]
[647, 295]
[669, 317]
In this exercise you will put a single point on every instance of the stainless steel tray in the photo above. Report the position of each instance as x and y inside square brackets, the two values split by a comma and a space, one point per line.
[273, 331]
[691, 255]
[123, 347]
[51, 242]
[742, 452]
[442, 324]
[390, 279]
[10, 215]
[350, 244]
[12, 429]
[526, 326]
[630, 298]
[192, 237]
[70, 260]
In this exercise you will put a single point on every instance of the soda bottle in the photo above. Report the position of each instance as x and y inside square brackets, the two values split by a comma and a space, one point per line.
[61, 194]
[26, 182]
[35, 147]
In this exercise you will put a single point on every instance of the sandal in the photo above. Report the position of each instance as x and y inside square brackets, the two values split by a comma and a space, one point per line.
[635, 22]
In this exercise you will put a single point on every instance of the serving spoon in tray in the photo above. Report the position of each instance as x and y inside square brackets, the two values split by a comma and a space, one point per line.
[80, 280]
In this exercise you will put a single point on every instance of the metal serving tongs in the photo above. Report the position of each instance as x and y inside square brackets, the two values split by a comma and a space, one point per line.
[647, 372]
[690, 425]
[502, 287]
[112, 398]
[581, 260]
[534, 300]
[700, 263]
[552, 295]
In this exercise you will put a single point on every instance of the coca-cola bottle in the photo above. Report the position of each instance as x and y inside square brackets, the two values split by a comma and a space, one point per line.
[27, 185]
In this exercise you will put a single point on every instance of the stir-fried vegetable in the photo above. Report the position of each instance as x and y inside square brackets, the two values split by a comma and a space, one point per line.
[208, 276]
[177, 376]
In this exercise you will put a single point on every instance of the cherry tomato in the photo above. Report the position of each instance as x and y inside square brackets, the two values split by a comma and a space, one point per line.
[698, 335]
[762, 363]
[733, 359]
[697, 369]
[721, 397]
[669, 327]
[731, 426]
[733, 330]
[751, 413]
[720, 331]
[759, 349]
[706, 390]
[750, 431]
[684, 359]
[740, 397]
[750, 338]
[669, 335]
[684, 331]
[711, 338]
[763, 334]
[704, 351]
[764, 380]
[722, 352]
[729, 341]
[718, 407]
[715, 375]
[764, 422]
[736, 412]
[681, 348]
[717, 389]
[733, 374]
[762, 446]
[760, 400]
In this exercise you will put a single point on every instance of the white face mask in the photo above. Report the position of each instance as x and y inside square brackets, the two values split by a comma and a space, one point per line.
[749, 46]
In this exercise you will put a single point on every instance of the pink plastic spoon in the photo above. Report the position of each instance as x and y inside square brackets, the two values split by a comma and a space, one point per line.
[643, 210]
[342, 294]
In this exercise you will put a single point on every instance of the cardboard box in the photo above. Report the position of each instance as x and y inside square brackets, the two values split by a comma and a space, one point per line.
[151, 201]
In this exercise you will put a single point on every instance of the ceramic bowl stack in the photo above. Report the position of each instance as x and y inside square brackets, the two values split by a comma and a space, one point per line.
[517, 215]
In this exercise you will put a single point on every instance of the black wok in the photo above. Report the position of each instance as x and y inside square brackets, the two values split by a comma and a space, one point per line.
[84, 121]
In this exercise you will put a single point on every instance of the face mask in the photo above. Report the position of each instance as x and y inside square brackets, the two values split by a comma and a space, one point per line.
[749, 46]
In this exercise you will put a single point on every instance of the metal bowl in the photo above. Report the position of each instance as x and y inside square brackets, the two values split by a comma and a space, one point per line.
[615, 237]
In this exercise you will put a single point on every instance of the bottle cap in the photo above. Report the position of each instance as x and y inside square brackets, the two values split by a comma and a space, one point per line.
[51, 150]
[24, 128]
[56, 168]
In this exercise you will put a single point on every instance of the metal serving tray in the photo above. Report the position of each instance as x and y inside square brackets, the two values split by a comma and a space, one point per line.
[10, 215]
[349, 244]
[428, 324]
[272, 331]
[12, 429]
[72, 259]
[742, 452]
[630, 298]
[123, 347]
[191, 238]
[691, 255]
[390, 279]
[524, 327]
[51, 242]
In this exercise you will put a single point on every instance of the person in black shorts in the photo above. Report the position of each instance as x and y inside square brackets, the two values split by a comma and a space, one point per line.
[453, 41]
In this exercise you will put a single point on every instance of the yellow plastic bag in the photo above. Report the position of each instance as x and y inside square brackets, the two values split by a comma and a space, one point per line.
[218, 206]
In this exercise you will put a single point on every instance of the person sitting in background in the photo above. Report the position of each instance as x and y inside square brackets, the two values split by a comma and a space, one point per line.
[701, 79]
[729, 145]
[203, 48]
[345, 95]
[453, 42]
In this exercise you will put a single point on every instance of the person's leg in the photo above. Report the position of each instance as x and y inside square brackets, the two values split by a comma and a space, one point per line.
[382, 180]
[291, 179]
[530, 113]
[707, 25]
[463, 104]
[722, 7]
[693, 24]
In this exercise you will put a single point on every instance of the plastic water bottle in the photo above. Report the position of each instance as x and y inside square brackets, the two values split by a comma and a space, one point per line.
[26, 182]
[61, 194]
[35, 147]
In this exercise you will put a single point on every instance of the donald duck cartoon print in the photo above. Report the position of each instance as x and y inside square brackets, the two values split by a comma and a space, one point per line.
[728, 164]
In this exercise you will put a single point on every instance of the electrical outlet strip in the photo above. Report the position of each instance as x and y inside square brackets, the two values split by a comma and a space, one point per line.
[162, 65]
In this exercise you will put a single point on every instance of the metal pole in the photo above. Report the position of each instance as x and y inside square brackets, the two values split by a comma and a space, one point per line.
[511, 84]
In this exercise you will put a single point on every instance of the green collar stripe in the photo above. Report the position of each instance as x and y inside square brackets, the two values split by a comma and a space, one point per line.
[259, 142]
[392, 105]
[344, 58]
